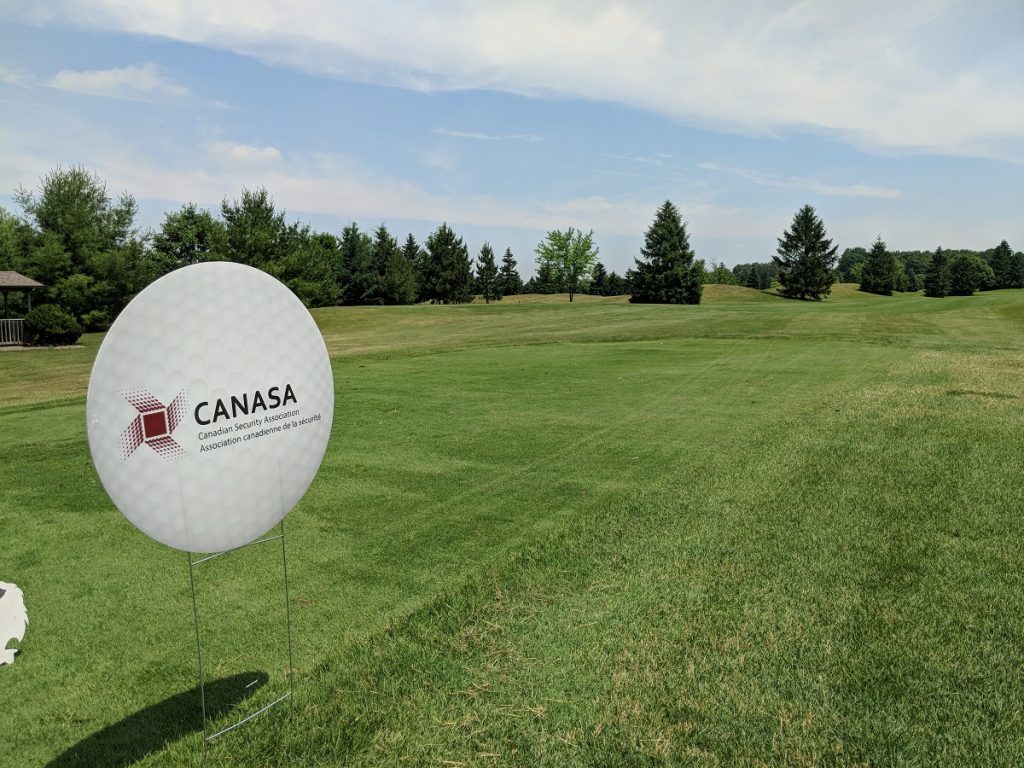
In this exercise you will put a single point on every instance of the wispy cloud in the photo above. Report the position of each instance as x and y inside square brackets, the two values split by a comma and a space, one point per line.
[529, 138]
[329, 183]
[142, 82]
[659, 159]
[878, 74]
[809, 185]
[226, 151]
[16, 76]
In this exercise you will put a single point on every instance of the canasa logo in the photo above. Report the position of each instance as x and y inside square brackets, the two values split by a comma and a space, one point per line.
[154, 425]
[236, 406]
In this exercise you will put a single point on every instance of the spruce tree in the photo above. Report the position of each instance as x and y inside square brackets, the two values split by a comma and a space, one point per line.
[414, 256]
[752, 280]
[913, 282]
[598, 281]
[617, 285]
[394, 282]
[508, 277]
[448, 271]
[879, 271]
[969, 272]
[358, 275]
[487, 275]
[1007, 268]
[806, 258]
[936, 278]
[546, 280]
[666, 274]
[961, 276]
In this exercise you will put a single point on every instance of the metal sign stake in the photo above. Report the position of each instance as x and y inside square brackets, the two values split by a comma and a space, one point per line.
[193, 565]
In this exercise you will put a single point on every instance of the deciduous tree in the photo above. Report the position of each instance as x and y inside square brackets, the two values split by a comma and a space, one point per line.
[570, 255]
[720, 275]
[255, 230]
[188, 236]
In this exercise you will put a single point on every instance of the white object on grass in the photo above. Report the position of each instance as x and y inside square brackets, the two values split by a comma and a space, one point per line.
[13, 620]
[210, 405]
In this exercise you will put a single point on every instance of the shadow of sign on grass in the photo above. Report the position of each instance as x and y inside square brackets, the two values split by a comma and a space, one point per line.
[156, 726]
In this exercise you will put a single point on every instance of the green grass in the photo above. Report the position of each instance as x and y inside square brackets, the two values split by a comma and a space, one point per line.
[754, 532]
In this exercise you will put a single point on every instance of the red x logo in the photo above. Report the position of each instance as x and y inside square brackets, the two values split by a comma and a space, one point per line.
[154, 424]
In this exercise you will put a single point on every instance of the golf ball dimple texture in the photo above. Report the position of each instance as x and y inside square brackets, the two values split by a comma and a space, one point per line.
[210, 332]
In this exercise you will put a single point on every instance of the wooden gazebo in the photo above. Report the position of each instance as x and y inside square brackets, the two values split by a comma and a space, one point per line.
[12, 330]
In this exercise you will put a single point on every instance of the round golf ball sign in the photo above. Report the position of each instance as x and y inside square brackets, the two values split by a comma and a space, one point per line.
[210, 405]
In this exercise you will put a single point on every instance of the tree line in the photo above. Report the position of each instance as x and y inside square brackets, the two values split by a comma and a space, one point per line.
[85, 247]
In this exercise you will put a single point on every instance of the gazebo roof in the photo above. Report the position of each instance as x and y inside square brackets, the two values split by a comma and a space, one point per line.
[17, 280]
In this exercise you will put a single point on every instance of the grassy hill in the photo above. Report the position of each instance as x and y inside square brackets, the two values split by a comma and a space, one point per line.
[756, 531]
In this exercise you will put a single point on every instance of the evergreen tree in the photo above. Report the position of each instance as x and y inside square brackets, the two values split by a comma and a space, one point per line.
[598, 281]
[357, 273]
[1007, 268]
[913, 280]
[667, 273]
[752, 281]
[415, 256]
[879, 270]
[508, 277]
[448, 273]
[757, 275]
[969, 273]
[546, 280]
[393, 278]
[398, 283]
[806, 257]
[617, 285]
[936, 279]
[487, 275]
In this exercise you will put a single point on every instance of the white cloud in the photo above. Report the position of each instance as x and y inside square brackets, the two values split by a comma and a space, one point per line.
[882, 75]
[143, 82]
[226, 151]
[16, 76]
[810, 185]
[661, 159]
[529, 138]
[321, 183]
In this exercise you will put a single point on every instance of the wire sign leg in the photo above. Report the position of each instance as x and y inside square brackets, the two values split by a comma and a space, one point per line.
[193, 567]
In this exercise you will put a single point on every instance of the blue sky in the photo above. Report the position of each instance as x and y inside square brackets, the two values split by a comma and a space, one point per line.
[904, 120]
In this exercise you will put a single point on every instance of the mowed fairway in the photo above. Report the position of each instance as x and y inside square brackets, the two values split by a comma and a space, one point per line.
[753, 532]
